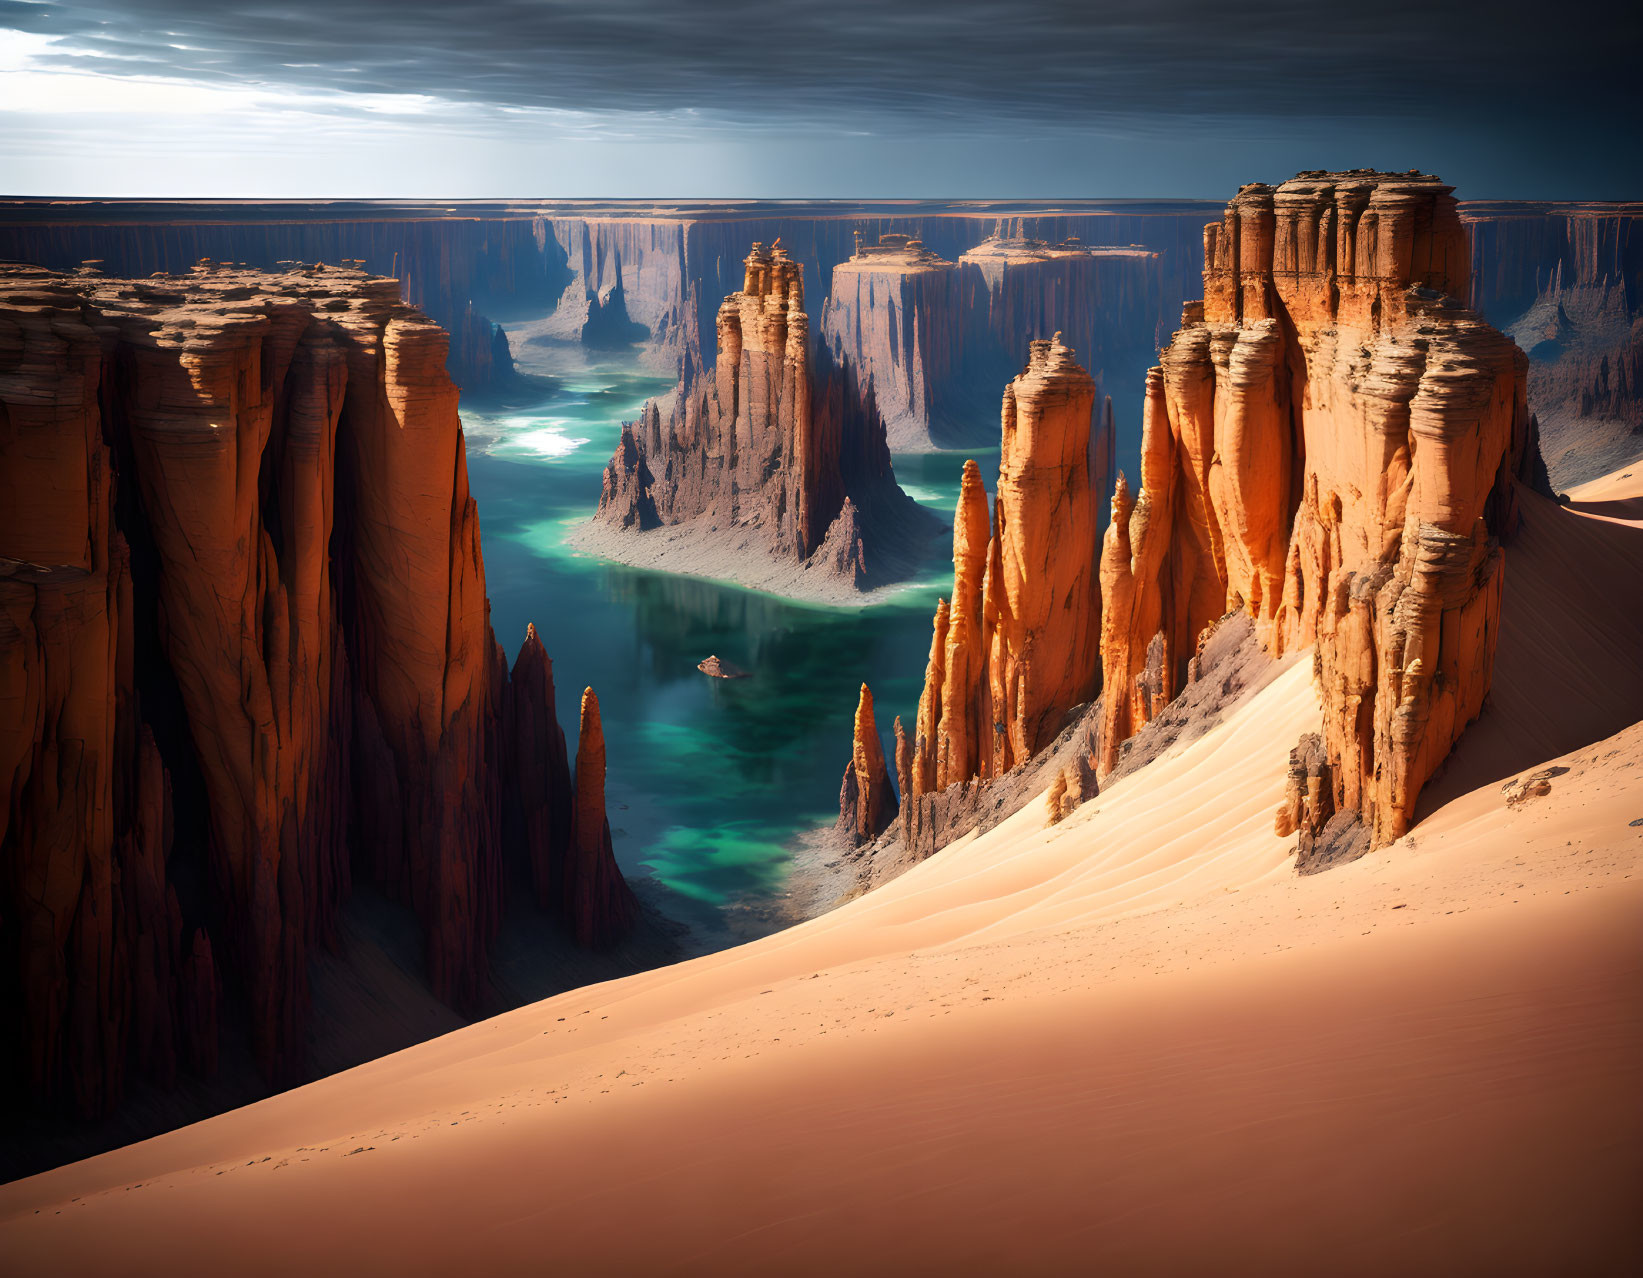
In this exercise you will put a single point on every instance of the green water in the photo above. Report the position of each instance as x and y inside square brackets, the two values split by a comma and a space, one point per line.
[711, 781]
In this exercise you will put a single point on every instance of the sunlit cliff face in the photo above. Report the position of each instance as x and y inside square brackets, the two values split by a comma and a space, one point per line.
[640, 98]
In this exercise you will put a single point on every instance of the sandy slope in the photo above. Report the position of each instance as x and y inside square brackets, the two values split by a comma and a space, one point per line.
[1135, 1041]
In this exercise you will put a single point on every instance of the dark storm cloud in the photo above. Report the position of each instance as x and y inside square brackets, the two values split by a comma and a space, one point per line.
[966, 64]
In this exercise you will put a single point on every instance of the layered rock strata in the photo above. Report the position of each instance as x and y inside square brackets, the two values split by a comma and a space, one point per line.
[769, 445]
[867, 803]
[245, 655]
[1062, 775]
[1017, 646]
[1330, 445]
[451, 268]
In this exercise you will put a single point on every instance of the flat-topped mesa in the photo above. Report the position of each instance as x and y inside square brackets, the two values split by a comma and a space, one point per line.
[767, 444]
[238, 558]
[896, 252]
[994, 255]
[1329, 444]
[896, 311]
[1018, 646]
[1104, 299]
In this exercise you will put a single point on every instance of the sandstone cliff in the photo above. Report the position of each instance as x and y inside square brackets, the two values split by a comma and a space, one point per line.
[245, 654]
[452, 268]
[776, 443]
[540, 802]
[1581, 264]
[676, 262]
[1330, 444]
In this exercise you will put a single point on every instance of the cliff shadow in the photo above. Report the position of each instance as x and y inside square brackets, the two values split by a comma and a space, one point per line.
[1567, 672]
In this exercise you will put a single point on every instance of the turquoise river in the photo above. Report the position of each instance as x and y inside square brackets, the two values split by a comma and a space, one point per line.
[711, 782]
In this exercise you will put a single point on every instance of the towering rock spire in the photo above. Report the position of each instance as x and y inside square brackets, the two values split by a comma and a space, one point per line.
[1330, 444]
[904, 777]
[540, 799]
[958, 739]
[867, 804]
[1043, 596]
[926, 725]
[1018, 646]
[598, 903]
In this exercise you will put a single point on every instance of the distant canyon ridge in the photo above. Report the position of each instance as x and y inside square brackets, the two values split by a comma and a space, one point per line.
[1565, 280]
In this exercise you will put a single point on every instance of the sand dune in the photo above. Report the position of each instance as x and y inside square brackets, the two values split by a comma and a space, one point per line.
[1135, 1041]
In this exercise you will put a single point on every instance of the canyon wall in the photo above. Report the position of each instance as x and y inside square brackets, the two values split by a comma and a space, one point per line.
[1566, 282]
[775, 442]
[897, 313]
[1112, 305]
[677, 262]
[1330, 445]
[597, 272]
[937, 338]
[245, 658]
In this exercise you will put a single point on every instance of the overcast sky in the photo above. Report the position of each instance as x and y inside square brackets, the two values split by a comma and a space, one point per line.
[847, 98]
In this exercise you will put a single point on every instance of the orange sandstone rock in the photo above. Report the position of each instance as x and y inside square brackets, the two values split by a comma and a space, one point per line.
[1329, 445]
[904, 778]
[867, 804]
[961, 728]
[1043, 599]
[930, 700]
[1019, 644]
